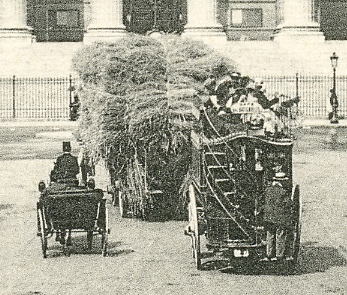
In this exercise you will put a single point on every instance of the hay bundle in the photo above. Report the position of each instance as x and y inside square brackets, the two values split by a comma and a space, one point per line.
[133, 96]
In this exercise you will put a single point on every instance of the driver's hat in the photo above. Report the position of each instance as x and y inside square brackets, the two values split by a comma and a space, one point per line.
[66, 146]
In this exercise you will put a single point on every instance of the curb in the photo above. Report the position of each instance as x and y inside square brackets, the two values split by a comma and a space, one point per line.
[307, 123]
[53, 124]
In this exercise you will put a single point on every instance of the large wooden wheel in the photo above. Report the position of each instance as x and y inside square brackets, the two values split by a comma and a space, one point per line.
[104, 235]
[297, 211]
[194, 226]
[90, 239]
[120, 203]
[43, 231]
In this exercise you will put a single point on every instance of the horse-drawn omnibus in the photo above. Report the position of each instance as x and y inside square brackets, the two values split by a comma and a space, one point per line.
[233, 163]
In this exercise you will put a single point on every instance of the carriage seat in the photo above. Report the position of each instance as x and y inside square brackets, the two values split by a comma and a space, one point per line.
[68, 181]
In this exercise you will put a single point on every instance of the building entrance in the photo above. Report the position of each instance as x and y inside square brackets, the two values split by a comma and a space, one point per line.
[55, 21]
[333, 20]
[143, 16]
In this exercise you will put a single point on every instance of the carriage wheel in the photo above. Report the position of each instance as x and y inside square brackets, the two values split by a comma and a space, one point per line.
[120, 204]
[104, 240]
[194, 227]
[115, 197]
[43, 233]
[297, 223]
[197, 253]
[104, 237]
[89, 239]
[38, 220]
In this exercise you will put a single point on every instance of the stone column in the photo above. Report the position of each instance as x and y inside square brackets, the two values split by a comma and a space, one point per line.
[13, 21]
[107, 21]
[202, 21]
[298, 23]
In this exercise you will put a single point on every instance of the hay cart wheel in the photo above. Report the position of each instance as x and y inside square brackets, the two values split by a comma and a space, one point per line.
[104, 235]
[194, 227]
[43, 231]
[124, 204]
[120, 204]
[90, 239]
[296, 222]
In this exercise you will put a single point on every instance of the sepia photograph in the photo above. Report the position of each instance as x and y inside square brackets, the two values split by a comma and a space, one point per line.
[180, 147]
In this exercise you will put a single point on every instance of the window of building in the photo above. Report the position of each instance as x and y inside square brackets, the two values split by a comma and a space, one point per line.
[67, 18]
[246, 17]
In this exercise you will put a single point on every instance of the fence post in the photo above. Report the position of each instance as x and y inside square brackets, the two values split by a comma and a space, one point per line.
[297, 84]
[70, 88]
[14, 97]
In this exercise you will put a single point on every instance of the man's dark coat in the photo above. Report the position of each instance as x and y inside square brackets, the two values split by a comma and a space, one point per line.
[66, 167]
[278, 205]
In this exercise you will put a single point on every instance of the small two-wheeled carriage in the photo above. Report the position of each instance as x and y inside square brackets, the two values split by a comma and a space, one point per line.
[228, 176]
[66, 207]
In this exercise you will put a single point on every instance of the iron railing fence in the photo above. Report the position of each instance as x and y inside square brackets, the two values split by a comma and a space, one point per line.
[314, 92]
[35, 98]
[50, 98]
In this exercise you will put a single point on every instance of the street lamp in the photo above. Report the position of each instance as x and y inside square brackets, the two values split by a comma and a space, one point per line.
[333, 97]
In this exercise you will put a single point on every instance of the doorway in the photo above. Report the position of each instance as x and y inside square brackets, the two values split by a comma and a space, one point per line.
[57, 22]
[143, 16]
[333, 20]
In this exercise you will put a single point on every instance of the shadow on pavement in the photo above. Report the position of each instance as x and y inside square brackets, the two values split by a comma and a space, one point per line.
[312, 259]
[80, 247]
[31, 293]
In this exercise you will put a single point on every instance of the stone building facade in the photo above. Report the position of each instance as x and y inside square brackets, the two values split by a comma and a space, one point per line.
[90, 20]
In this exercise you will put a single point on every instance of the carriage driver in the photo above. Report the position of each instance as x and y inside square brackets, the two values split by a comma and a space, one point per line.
[66, 167]
[277, 217]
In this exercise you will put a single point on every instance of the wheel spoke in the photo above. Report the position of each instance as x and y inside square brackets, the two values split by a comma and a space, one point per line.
[43, 233]
[194, 227]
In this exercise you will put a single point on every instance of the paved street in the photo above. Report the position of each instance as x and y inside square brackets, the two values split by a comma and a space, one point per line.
[155, 258]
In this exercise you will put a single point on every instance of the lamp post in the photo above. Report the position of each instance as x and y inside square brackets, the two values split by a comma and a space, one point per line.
[333, 97]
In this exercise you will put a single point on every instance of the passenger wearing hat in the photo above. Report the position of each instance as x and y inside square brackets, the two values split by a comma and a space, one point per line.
[66, 167]
[277, 216]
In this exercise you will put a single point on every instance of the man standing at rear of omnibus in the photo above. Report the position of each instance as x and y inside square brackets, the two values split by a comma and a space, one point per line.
[277, 216]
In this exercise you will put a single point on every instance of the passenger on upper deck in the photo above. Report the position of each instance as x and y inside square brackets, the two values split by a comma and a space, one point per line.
[259, 93]
[221, 87]
[247, 102]
[210, 86]
[66, 167]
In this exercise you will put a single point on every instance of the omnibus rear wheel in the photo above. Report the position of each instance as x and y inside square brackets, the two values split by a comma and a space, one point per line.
[194, 227]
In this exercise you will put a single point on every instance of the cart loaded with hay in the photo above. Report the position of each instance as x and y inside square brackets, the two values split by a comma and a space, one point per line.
[136, 101]
[153, 176]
